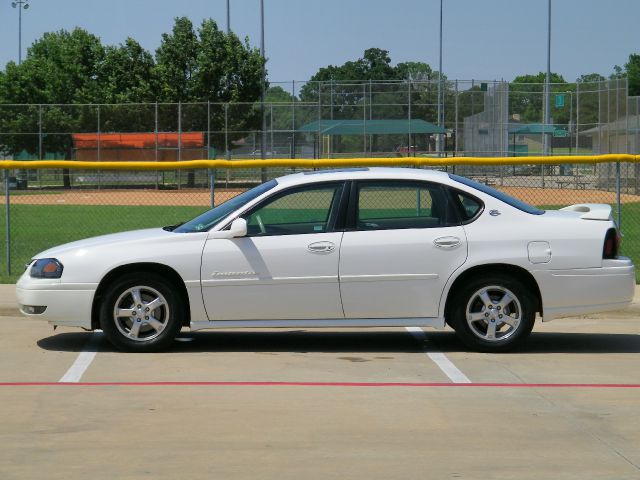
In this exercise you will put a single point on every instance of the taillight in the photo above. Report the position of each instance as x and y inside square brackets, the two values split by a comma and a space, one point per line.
[611, 244]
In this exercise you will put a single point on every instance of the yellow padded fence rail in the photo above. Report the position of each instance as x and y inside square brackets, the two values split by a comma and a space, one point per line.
[317, 163]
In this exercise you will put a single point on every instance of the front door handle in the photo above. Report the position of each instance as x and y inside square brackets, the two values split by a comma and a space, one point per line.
[447, 242]
[321, 247]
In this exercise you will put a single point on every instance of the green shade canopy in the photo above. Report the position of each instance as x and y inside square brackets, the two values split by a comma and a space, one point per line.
[370, 127]
[537, 129]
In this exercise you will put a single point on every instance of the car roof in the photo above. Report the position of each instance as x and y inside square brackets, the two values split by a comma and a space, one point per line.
[363, 173]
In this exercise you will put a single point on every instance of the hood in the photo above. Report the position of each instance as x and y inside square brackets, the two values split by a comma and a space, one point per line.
[133, 236]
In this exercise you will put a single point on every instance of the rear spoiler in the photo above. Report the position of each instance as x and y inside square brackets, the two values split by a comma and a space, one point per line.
[591, 211]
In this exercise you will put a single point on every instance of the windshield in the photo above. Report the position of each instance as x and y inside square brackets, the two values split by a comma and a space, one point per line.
[213, 216]
[514, 202]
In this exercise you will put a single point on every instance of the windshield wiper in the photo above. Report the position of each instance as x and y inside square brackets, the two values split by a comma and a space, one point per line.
[171, 228]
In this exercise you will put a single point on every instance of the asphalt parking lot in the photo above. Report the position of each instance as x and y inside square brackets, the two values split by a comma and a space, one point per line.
[285, 404]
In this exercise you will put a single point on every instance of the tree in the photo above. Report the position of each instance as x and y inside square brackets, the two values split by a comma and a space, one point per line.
[280, 102]
[341, 86]
[416, 72]
[589, 90]
[209, 65]
[176, 62]
[371, 86]
[526, 97]
[127, 75]
[631, 70]
[60, 70]
[67, 74]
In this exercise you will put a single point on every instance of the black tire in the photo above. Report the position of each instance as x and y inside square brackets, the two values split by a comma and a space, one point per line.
[149, 324]
[493, 313]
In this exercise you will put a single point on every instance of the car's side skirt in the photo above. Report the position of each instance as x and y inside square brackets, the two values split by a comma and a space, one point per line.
[324, 323]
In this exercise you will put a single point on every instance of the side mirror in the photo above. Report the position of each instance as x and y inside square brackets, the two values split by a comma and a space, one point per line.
[237, 229]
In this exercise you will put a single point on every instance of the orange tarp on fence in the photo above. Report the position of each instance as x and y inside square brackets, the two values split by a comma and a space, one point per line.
[139, 146]
[138, 140]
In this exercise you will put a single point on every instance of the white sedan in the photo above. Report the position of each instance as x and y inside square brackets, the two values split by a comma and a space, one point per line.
[366, 247]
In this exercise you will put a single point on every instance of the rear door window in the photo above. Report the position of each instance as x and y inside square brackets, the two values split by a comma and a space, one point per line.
[384, 205]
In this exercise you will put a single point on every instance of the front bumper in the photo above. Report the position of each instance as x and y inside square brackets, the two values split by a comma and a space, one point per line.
[66, 304]
[586, 290]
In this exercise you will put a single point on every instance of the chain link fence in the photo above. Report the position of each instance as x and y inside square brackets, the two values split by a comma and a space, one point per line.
[310, 120]
[336, 120]
[113, 201]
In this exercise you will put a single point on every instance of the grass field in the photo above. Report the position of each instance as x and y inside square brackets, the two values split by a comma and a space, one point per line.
[38, 227]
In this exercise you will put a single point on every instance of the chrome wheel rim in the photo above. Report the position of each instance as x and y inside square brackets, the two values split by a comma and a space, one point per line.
[494, 313]
[141, 313]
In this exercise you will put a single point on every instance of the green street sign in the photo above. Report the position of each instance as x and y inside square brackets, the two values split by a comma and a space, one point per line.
[560, 100]
[559, 133]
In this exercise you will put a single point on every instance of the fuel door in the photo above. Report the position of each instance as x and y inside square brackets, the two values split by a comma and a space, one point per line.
[539, 252]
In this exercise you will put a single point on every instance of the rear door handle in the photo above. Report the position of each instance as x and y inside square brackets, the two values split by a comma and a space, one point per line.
[447, 242]
[321, 247]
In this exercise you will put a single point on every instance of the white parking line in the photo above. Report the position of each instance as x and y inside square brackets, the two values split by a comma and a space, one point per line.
[74, 374]
[439, 358]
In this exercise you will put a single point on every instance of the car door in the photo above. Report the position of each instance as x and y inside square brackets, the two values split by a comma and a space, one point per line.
[286, 267]
[402, 243]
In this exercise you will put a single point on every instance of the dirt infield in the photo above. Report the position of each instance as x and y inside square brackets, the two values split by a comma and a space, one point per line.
[187, 198]
[534, 196]
[555, 196]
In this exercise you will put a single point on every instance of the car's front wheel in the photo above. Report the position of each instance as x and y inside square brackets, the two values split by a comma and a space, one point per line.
[141, 313]
[494, 313]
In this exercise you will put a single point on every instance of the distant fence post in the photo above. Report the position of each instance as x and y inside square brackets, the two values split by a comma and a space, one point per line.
[40, 153]
[293, 119]
[212, 177]
[155, 148]
[618, 209]
[99, 146]
[7, 217]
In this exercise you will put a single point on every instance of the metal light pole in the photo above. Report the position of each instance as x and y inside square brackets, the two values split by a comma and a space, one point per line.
[440, 93]
[20, 4]
[547, 84]
[263, 153]
[227, 153]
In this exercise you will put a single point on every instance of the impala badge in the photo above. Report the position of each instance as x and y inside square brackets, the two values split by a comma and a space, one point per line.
[233, 274]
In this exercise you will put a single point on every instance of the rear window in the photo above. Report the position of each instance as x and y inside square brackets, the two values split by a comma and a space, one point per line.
[392, 204]
[503, 197]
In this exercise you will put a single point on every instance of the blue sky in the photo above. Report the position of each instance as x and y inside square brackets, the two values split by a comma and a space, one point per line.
[483, 39]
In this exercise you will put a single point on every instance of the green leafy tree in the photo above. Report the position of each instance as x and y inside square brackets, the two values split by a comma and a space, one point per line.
[208, 65]
[280, 104]
[589, 92]
[416, 72]
[60, 71]
[127, 76]
[176, 60]
[631, 70]
[372, 87]
[341, 89]
[526, 97]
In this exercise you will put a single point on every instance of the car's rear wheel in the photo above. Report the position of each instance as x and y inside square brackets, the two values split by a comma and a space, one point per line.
[141, 313]
[493, 313]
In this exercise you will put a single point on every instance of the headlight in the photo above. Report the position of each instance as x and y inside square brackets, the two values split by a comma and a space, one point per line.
[46, 268]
